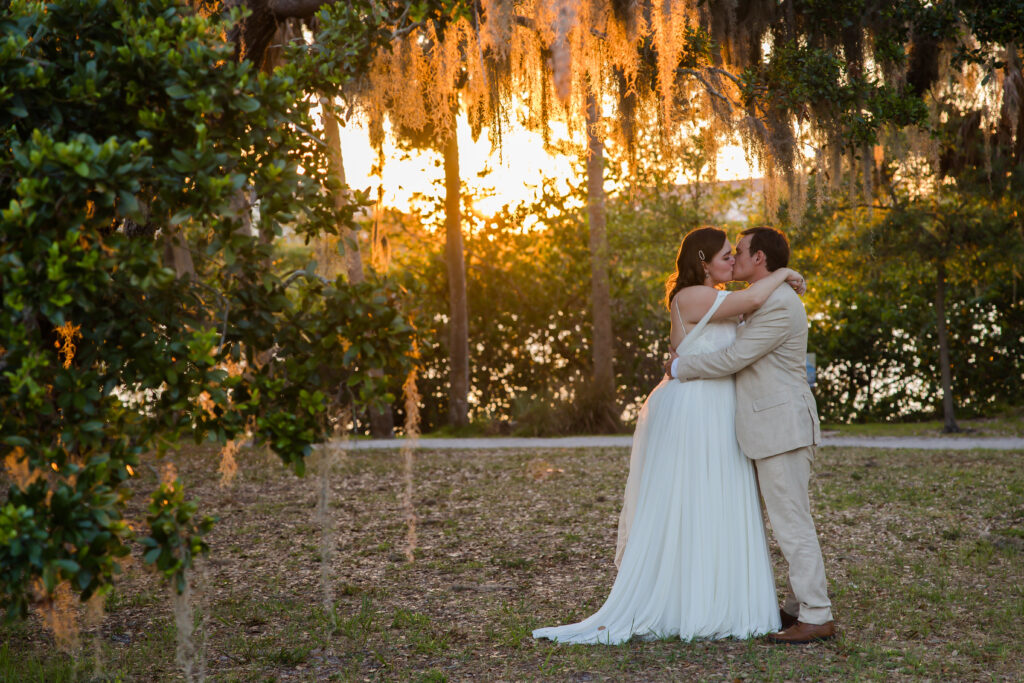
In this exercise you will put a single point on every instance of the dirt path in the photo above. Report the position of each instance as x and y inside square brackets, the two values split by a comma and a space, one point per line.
[957, 443]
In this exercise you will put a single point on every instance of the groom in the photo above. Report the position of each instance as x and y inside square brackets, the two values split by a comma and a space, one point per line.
[776, 426]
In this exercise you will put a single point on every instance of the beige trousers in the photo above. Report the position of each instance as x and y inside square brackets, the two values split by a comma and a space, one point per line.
[783, 480]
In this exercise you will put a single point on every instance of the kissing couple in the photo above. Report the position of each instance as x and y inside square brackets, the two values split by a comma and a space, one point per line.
[733, 417]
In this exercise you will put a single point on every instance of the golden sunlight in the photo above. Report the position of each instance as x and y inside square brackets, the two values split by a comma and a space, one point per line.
[507, 175]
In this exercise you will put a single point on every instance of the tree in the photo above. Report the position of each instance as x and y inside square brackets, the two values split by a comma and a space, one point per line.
[455, 260]
[839, 79]
[600, 294]
[947, 229]
[557, 61]
[913, 305]
[422, 40]
[886, 95]
[108, 353]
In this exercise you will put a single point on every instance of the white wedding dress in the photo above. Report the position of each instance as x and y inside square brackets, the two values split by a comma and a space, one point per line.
[694, 559]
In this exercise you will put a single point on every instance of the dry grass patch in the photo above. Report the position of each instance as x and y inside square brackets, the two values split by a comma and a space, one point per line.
[924, 552]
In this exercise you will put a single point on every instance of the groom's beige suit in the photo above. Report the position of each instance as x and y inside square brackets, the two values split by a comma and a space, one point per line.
[777, 427]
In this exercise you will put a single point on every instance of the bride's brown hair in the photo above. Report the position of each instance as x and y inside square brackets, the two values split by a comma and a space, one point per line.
[704, 241]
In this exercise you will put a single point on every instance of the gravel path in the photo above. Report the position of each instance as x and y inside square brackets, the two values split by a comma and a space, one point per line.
[950, 443]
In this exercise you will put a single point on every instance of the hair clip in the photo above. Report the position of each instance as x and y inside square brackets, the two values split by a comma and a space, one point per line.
[700, 253]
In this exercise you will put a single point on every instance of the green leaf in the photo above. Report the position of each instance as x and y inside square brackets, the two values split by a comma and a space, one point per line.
[247, 104]
[35, 554]
[83, 579]
[82, 169]
[151, 556]
[70, 566]
[177, 92]
[128, 203]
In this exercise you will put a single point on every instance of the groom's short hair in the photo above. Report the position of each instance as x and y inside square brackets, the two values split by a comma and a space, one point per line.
[772, 242]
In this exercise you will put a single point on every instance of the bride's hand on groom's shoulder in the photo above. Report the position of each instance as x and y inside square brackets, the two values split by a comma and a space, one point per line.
[796, 281]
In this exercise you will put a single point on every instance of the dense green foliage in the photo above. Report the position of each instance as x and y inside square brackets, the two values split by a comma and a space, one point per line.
[918, 259]
[129, 134]
[874, 324]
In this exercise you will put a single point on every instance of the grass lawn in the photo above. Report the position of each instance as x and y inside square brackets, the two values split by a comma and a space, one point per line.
[924, 553]
[1007, 423]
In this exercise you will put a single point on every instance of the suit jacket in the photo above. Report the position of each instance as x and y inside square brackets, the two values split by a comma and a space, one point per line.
[775, 410]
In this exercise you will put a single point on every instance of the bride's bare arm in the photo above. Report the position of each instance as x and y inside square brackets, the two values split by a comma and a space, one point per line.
[695, 301]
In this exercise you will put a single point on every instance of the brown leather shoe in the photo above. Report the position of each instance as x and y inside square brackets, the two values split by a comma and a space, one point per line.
[787, 618]
[801, 633]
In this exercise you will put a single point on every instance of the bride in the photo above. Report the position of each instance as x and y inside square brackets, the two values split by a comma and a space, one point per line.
[692, 556]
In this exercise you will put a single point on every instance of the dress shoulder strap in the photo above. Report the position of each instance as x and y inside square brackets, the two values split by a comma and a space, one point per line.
[699, 327]
[679, 316]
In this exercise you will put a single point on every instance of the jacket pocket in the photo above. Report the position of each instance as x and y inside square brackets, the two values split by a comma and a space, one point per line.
[770, 401]
[812, 412]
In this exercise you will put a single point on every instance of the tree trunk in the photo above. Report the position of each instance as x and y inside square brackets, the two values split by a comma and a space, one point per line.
[177, 254]
[241, 208]
[382, 422]
[458, 324]
[949, 420]
[600, 294]
[353, 259]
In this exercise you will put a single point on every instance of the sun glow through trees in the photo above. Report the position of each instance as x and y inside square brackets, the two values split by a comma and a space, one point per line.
[512, 173]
